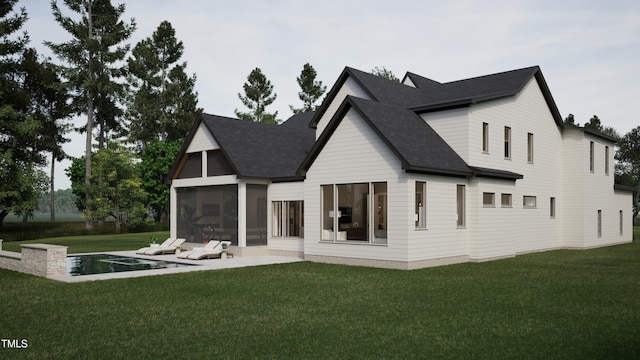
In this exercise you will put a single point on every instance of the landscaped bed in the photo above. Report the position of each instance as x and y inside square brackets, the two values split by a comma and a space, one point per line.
[557, 304]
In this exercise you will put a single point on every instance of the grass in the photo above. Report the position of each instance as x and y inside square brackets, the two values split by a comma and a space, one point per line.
[94, 243]
[553, 305]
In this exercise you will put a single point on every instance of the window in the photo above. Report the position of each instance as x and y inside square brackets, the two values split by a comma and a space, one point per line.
[191, 166]
[217, 164]
[591, 156]
[421, 204]
[552, 208]
[530, 148]
[460, 205]
[599, 223]
[606, 160]
[507, 142]
[621, 223]
[328, 213]
[488, 199]
[276, 219]
[358, 212]
[506, 200]
[529, 201]
[288, 219]
[485, 137]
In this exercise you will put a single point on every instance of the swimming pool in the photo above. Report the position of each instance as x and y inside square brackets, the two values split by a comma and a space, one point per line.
[106, 263]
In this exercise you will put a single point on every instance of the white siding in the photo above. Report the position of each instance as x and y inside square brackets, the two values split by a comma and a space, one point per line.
[350, 87]
[355, 154]
[441, 238]
[524, 113]
[453, 127]
[598, 194]
[575, 160]
[202, 140]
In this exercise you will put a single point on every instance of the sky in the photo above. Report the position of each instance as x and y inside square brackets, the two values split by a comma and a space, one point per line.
[589, 51]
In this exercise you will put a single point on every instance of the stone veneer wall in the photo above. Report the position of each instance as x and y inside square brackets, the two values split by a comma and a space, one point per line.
[36, 259]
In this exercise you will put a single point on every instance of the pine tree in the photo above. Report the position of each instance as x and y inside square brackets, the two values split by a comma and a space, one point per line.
[92, 65]
[20, 147]
[312, 90]
[49, 108]
[258, 95]
[163, 104]
[383, 72]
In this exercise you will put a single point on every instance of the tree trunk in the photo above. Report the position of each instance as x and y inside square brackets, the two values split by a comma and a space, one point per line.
[90, 95]
[116, 213]
[3, 214]
[637, 209]
[52, 195]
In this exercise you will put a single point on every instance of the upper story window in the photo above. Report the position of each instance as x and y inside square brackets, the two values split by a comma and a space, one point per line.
[485, 137]
[530, 148]
[591, 156]
[506, 200]
[507, 142]
[606, 160]
[489, 199]
[460, 206]
[529, 202]
[421, 204]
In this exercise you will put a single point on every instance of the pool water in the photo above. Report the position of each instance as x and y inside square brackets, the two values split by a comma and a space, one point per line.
[105, 263]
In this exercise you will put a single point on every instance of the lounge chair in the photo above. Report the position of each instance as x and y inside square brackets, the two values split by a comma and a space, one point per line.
[168, 249]
[166, 243]
[215, 252]
[208, 247]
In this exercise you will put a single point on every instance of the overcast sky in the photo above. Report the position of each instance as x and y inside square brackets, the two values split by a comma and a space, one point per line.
[589, 51]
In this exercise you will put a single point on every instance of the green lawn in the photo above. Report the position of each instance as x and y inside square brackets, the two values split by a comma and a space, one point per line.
[559, 304]
[94, 243]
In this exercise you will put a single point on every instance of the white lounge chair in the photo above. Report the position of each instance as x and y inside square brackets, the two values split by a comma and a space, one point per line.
[208, 247]
[168, 249]
[166, 243]
[215, 252]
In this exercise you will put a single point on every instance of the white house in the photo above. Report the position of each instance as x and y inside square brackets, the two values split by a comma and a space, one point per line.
[404, 175]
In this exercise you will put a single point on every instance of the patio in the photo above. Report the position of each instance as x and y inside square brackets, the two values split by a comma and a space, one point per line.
[207, 264]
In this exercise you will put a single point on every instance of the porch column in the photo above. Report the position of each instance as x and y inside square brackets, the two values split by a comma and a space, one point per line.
[242, 214]
[173, 213]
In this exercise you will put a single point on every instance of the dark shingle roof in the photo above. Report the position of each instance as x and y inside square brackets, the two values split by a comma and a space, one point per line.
[284, 152]
[260, 150]
[418, 146]
[394, 108]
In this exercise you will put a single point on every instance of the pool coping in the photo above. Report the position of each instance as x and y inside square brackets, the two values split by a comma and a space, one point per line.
[203, 265]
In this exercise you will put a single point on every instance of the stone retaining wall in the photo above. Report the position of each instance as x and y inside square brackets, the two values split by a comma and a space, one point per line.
[37, 259]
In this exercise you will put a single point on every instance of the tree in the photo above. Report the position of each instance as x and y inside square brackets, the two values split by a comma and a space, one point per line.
[20, 149]
[48, 105]
[163, 104]
[119, 194]
[595, 124]
[383, 72]
[570, 120]
[312, 90]
[258, 95]
[157, 158]
[628, 155]
[92, 63]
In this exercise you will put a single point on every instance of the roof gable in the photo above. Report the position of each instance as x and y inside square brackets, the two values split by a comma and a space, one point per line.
[410, 138]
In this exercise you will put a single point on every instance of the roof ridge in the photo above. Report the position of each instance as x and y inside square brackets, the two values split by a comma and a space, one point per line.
[532, 68]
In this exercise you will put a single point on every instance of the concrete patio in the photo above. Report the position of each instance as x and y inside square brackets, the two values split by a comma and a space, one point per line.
[202, 265]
